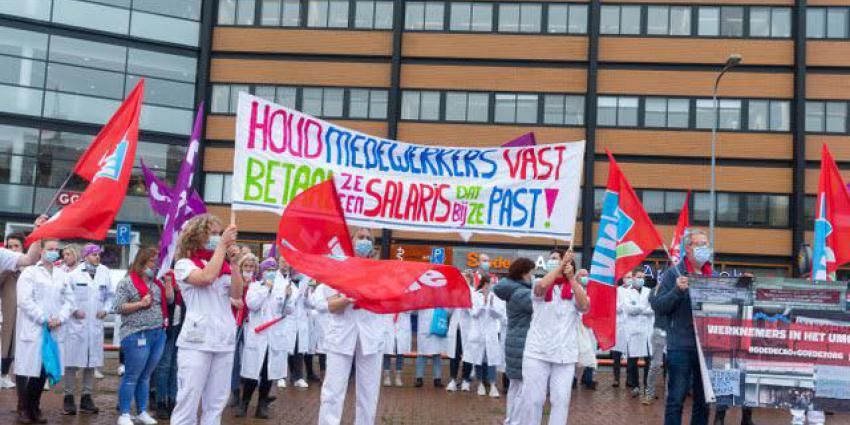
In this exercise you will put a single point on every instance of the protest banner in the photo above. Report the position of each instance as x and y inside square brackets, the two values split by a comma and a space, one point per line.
[780, 343]
[515, 191]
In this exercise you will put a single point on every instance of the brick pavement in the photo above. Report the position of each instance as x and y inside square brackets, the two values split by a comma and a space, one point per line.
[408, 405]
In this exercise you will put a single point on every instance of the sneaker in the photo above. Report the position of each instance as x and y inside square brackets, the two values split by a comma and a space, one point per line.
[301, 384]
[98, 374]
[452, 387]
[647, 400]
[146, 419]
[281, 383]
[635, 392]
[125, 419]
[6, 382]
[46, 386]
[494, 391]
[388, 382]
[120, 370]
[398, 381]
[464, 386]
[438, 383]
[481, 390]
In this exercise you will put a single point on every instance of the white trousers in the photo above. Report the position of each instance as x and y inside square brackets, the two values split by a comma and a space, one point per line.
[368, 386]
[538, 376]
[202, 376]
[816, 417]
[514, 408]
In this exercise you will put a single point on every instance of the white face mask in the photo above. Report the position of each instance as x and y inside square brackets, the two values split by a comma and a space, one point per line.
[247, 275]
[552, 264]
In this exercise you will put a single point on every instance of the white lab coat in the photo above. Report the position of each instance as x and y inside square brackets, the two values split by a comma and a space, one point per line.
[42, 294]
[427, 344]
[318, 317]
[553, 332]
[486, 318]
[459, 320]
[298, 326]
[264, 306]
[633, 330]
[209, 324]
[84, 337]
[303, 313]
[398, 335]
[351, 326]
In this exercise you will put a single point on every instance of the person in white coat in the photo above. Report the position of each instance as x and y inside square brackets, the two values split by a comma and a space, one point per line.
[431, 342]
[552, 346]
[633, 301]
[264, 353]
[44, 297]
[353, 335]
[456, 340]
[319, 325]
[398, 343]
[297, 330]
[485, 349]
[84, 331]
[208, 336]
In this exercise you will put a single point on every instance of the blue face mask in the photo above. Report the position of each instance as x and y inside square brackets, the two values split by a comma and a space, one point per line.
[638, 283]
[702, 254]
[50, 256]
[485, 265]
[583, 280]
[150, 273]
[268, 276]
[363, 247]
[212, 243]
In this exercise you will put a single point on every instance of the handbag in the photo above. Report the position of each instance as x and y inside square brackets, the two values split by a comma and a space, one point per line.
[440, 322]
[586, 349]
[50, 356]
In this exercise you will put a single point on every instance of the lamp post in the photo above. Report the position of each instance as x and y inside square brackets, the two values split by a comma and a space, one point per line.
[732, 61]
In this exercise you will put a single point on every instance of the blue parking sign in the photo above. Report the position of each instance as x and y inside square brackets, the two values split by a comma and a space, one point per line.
[123, 234]
[438, 255]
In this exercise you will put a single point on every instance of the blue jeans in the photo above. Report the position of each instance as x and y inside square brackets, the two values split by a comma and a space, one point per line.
[438, 366]
[235, 375]
[486, 373]
[399, 362]
[166, 371]
[142, 351]
[683, 372]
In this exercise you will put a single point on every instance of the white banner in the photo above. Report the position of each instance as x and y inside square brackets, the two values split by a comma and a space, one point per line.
[520, 191]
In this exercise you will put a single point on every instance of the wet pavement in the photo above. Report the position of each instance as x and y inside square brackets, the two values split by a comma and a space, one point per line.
[406, 405]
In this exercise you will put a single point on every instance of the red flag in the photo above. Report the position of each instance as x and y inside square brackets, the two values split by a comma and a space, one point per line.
[677, 245]
[107, 164]
[831, 247]
[314, 239]
[626, 236]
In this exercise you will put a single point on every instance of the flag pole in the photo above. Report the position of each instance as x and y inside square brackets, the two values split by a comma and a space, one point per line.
[670, 259]
[56, 195]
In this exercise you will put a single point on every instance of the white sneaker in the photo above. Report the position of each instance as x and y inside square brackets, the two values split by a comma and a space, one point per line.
[481, 390]
[398, 381]
[120, 370]
[300, 384]
[281, 383]
[125, 419]
[46, 386]
[388, 382]
[146, 419]
[98, 374]
[464, 386]
[494, 392]
[6, 382]
[452, 387]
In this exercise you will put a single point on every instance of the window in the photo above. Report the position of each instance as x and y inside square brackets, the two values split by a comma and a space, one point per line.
[770, 22]
[667, 20]
[516, 108]
[732, 21]
[327, 13]
[467, 16]
[424, 15]
[620, 20]
[420, 105]
[730, 114]
[563, 109]
[829, 117]
[373, 14]
[836, 22]
[467, 107]
[520, 17]
[284, 13]
[365, 103]
[217, 188]
[815, 22]
[236, 12]
[323, 102]
[670, 113]
[744, 209]
[567, 19]
[709, 21]
[773, 115]
[663, 206]
[619, 111]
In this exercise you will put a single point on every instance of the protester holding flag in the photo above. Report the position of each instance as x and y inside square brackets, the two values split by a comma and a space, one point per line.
[674, 301]
[485, 350]
[11, 260]
[353, 335]
[14, 244]
[458, 332]
[208, 337]
[142, 300]
[398, 343]
[45, 302]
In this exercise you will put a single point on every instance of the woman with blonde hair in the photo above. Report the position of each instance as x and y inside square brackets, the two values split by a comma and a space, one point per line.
[208, 337]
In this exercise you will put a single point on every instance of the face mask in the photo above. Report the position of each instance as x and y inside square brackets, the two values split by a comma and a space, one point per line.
[638, 283]
[213, 242]
[485, 265]
[247, 275]
[583, 280]
[149, 272]
[363, 247]
[628, 282]
[552, 265]
[269, 276]
[702, 254]
[50, 256]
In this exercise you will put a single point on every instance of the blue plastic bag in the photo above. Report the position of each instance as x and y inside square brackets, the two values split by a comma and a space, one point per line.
[50, 357]
[440, 322]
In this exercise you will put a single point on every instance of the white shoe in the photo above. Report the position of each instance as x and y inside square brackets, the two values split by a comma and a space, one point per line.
[481, 390]
[98, 374]
[281, 383]
[125, 419]
[398, 381]
[464, 386]
[300, 384]
[388, 382]
[452, 387]
[6, 382]
[146, 419]
[494, 392]
[46, 386]
[120, 370]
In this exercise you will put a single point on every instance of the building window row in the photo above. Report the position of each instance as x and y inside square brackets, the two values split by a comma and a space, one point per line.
[358, 14]
[733, 209]
[828, 22]
[702, 21]
[551, 18]
[826, 116]
[489, 107]
[217, 188]
[79, 80]
[690, 113]
[171, 21]
[325, 102]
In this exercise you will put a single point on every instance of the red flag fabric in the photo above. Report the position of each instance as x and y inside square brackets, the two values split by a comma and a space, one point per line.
[831, 247]
[677, 245]
[626, 236]
[107, 164]
[314, 239]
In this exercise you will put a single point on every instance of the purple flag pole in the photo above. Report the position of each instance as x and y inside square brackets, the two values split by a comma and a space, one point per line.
[176, 216]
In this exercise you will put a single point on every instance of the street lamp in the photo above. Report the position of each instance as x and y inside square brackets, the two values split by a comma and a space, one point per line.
[733, 60]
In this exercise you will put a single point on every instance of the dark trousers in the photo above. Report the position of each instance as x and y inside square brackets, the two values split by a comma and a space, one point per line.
[632, 379]
[8, 355]
[323, 362]
[587, 377]
[29, 393]
[237, 359]
[296, 362]
[455, 363]
[165, 373]
[683, 372]
[249, 385]
[616, 357]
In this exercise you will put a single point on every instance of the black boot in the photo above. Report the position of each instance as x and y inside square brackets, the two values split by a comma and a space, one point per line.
[234, 398]
[262, 409]
[68, 406]
[747, 416]
[719, 417]
[418, 382]
[242, 408]
[24, 417]
[162, 411]
[37, 416]
[438, 383]
[87, 405]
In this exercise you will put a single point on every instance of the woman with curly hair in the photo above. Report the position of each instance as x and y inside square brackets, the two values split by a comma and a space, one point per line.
[208, 337]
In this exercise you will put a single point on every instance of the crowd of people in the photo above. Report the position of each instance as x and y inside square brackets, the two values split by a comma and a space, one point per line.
[225, 323]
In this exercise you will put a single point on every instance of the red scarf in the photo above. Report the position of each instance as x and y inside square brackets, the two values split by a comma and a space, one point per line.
[202, 255]
[705, 270]
[240, 313]
[566, 289]
[143, 290]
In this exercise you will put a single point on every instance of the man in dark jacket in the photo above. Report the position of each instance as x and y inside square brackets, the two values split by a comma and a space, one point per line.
[674, 302]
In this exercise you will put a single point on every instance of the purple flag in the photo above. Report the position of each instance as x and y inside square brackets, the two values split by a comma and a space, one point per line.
[526, 139]
[160, 197]
[177, 215]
